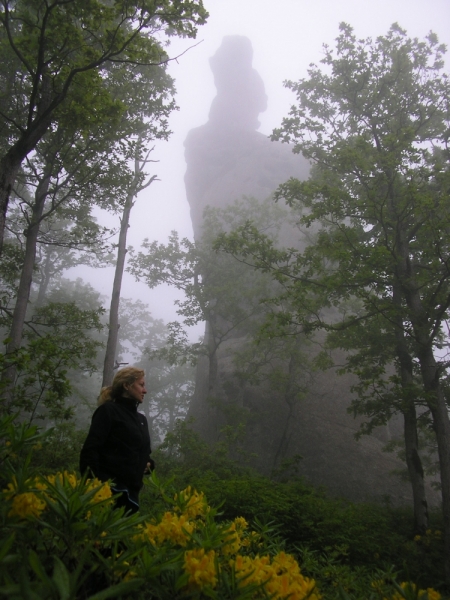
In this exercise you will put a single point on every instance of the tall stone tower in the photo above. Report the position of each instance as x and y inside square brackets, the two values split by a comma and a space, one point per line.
[227, 158]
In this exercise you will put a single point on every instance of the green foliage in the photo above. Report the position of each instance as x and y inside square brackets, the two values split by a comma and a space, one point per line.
[377, 192]
[373, 119]
[62, 538]
[61, 49]
[217, 289]
[339, 543]
[61, 449]
[59, 338]
[80, 546]
[61, 555]
[185, 456]
[234, 300]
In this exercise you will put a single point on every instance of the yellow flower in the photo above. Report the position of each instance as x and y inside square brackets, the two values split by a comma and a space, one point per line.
[173, 528]
[240, 523]
[281, 577]
[40, 485]
[200, 566]
[286, 562]
[11, 488]
[406, 585]
[129, 575]
[195, 503]
[233, 540]
[63, 478]
[103, 493]
[26, 505]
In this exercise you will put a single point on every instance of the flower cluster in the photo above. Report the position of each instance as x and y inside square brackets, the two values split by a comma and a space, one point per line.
[177, 527]
[201, 568]
[26, 505]
[31, 500]
[428, 594]
[173, 528]
[281, 576]
[103, 492]
[235, 536]
[191, 503]
[62, 478]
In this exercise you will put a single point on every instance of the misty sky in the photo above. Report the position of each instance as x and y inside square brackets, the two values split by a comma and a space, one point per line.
[287, 35]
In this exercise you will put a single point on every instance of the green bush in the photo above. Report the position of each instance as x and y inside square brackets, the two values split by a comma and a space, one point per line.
[349, 542]
[62, 538]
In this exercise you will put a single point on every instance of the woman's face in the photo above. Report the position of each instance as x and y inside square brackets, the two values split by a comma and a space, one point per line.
[136, 390]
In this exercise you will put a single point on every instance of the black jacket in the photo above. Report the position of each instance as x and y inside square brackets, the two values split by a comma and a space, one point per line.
[118, 445]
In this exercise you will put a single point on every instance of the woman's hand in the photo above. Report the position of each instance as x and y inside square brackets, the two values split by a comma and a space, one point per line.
[149, 467]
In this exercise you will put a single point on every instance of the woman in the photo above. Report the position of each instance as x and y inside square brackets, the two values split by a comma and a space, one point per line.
[118, 443]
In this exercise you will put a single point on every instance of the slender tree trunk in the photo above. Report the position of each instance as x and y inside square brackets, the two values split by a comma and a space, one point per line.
[113, 333]
[415, 470]
[413, 461]
[9, 166]
[213, 369]
[291, 397]
[26, 279]
[45, 279]
[11, 161]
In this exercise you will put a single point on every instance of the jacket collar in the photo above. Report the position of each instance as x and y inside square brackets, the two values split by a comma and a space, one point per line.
[129, 403]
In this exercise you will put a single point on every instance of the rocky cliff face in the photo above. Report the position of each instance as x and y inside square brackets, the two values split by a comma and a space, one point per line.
[227, 158]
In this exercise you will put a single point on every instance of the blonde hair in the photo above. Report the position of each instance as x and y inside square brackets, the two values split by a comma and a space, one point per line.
[126, 376]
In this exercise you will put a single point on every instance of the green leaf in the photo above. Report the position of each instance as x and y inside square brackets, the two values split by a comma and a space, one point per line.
[116, 591]
[6, 545]
[11, 591]
[61, 577]
[38, 568]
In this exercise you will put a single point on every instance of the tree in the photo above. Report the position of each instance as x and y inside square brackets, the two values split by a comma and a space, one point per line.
[64, 244]
[72, 170]
[149, 106]
[217, 289]
[62, 50]
[136, 186]
[61, 337]
[66, 172]
[229, 297]
[374, 122]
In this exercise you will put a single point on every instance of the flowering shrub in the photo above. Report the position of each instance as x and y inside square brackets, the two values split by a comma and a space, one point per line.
[210, 558]
[61, 537]
[201, 568]
[410, 590]
[33, 501]
[405, 590]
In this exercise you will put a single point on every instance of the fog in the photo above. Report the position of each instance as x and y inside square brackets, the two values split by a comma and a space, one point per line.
[287, 36]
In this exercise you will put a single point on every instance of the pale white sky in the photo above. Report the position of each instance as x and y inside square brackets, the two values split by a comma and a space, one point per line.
[287, 35]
